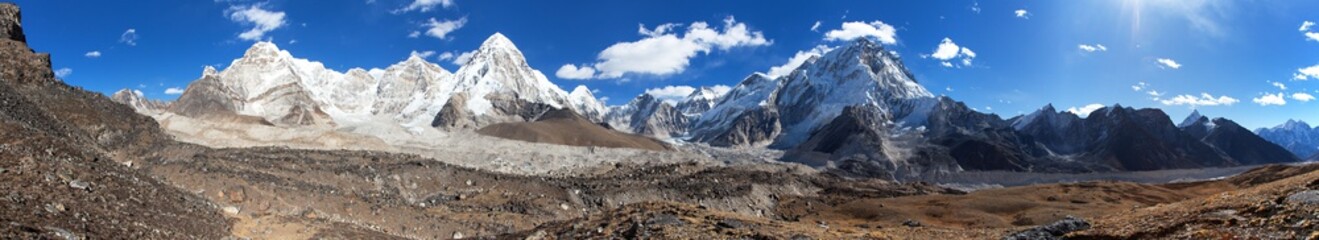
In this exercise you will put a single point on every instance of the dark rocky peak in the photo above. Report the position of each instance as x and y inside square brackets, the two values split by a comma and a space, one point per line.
[11, 22]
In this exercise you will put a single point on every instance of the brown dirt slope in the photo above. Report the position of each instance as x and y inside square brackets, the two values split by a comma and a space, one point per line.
[564, 127]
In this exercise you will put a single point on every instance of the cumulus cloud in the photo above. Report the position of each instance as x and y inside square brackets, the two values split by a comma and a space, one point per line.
[63, 72]
[261, 20]
[881, 31]
[1168, 63]
[1307, 73]
[948, 50]
[414, 34]
[174, 91]
[129, 37]
[1139, 86]
[93, 54]
[1303, 97]
[441, 29]
[1022, 13]
[569, 71]
[1279, 85]
[1205, 99]
[1270, 99]
[671, 94]
[425, 5]
[664, 50]
[1084, 111]
[1305, 28]
[422, 54]
[797, 60]
[457, 57]
[1092, 48]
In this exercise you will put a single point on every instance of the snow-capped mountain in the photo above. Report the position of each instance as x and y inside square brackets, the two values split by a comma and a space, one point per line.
[585, 102]
[745, 116]
[861, 73]
[1294, 135]
[134, 98]
[495, 85]
[698, 101]
[651, 116]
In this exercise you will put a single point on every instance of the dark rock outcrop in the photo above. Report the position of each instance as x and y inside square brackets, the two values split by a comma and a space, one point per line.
[1242, 145]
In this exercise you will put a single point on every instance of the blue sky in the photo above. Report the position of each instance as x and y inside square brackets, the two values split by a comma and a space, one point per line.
[1026, 53]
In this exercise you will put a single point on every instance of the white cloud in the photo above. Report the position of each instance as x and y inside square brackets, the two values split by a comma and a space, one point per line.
[1022, 13]
[1270, 99]
[262, 20]
[948, 50]
[1303, 97]
[1139, 86]
[63, 72]
[797, 60]
[815, 27]
[1084, 111]
[1305, 28]
[1205, 99]
[1168, 63]
[422, 54]
[1279, 85]
[569, 71]
[1092, 48]
[885, 33]
[1307, 73]
[414, 34]
[425, 5]
[174, 91]
[665, 51]
[1154, 93]
[461, 58]
[671, 94]
[441, 29]
[93, 54]
[975, 7]
[129, 37]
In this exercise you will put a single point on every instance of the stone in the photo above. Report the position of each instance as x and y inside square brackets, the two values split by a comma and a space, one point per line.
[911, 223]
[1055, 230]
[78, 184]
[231, 210]
[730, 223]
[1310, 197]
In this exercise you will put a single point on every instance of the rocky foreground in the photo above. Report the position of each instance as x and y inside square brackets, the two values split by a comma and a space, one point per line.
[75, 165]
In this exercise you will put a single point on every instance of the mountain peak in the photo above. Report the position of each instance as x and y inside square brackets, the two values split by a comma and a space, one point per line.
[582, 90]
[209, 70]
[1293, 124]
[498, 40]
[1192, 119]
[262, 49]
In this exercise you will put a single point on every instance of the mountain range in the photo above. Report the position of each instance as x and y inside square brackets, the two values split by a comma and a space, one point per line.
[1297, 136]
[855, 109]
